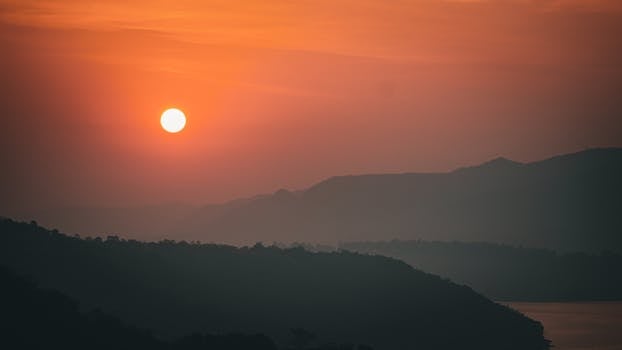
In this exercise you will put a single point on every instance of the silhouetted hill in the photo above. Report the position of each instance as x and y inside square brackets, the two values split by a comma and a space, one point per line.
[510, 273]
[176, 288]
[148, 222]
[570, 202]
[34, 318]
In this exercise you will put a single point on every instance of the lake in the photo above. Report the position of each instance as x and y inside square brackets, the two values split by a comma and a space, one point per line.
[578, 326]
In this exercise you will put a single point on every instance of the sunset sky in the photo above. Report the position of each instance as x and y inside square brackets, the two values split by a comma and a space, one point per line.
[282, 94]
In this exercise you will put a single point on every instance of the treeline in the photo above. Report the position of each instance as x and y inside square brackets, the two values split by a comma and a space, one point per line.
[177, 288]
[509, 273]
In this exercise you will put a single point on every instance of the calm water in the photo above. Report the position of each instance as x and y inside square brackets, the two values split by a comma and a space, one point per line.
[578, 326]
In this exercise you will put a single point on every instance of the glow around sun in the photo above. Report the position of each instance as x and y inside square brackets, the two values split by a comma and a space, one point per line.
[173, 120]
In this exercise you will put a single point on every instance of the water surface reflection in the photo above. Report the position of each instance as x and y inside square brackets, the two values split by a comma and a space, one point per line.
[578, 326]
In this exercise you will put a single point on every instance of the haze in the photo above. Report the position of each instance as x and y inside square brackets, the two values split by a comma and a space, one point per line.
[284, 94]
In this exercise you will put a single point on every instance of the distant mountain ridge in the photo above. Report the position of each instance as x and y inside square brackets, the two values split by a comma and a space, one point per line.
[567, 202]
[503, 272]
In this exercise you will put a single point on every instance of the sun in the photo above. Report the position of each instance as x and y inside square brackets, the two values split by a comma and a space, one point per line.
[173, 120]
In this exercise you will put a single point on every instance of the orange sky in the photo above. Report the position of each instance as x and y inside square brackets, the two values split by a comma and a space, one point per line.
[286, 93]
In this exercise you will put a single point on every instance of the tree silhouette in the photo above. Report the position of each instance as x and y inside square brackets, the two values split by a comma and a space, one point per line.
[179, 288]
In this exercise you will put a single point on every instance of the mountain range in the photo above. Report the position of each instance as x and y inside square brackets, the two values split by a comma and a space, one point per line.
[503, 272]
[568, 202]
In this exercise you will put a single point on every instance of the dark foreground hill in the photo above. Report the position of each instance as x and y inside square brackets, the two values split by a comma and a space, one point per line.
[177, 288]
[35, 318]
[510, 273]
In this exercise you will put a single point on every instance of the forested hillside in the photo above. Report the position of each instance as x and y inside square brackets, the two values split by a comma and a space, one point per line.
[175, 288]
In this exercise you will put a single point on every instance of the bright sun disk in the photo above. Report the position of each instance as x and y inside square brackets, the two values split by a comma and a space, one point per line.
[173, 120]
